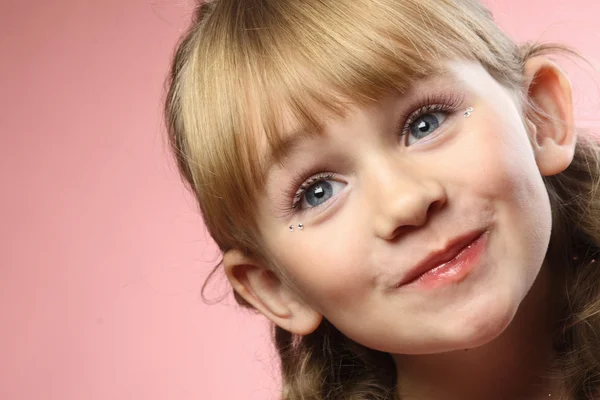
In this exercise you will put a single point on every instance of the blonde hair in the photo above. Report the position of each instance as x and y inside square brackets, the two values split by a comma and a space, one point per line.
[242, 64]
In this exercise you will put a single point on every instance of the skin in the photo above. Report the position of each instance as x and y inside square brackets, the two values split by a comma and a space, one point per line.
[393, 204]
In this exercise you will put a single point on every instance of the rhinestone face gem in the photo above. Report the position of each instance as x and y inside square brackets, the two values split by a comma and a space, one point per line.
[291, 228]
[300, 226]
[469, 111]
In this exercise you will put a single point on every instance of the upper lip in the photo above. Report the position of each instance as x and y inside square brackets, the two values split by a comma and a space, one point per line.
[441, 256]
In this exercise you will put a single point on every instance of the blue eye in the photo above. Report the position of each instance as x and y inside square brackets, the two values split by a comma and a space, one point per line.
[317, 191]
[424, 125]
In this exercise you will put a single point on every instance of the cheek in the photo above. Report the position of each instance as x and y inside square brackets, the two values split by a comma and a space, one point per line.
[328, 271]
[509, 179]
[502, 164]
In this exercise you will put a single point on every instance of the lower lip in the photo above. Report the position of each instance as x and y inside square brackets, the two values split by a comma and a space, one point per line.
[454, 270]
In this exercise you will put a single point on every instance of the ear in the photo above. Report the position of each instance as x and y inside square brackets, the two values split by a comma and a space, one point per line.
[260, 287]
[553, 135]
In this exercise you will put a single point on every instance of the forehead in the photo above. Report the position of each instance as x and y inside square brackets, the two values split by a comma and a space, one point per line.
[293, 131]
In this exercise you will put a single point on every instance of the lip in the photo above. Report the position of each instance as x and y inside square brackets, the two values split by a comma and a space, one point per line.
[437, 259]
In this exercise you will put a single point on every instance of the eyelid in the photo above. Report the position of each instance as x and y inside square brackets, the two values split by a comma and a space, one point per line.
[445, 101]
[307, 183]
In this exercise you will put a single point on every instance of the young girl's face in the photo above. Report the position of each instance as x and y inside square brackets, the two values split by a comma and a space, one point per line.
[394, 182]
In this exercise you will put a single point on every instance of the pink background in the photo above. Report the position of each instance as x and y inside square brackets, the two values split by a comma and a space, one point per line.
[102, 252]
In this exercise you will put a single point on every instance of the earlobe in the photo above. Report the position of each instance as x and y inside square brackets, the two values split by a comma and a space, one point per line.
[553, 136]
[266, 292]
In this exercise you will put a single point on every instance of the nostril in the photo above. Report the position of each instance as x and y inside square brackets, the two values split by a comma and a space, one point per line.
[408, 210]
[402, 230]
[435, 207]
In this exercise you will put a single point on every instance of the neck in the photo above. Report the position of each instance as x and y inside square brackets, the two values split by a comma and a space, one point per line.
[516, 365]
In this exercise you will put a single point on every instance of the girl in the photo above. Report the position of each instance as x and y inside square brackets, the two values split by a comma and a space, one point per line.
[400, 189]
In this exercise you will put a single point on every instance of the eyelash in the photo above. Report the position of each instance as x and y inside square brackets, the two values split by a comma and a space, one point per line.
[303, 184]
[444, 102]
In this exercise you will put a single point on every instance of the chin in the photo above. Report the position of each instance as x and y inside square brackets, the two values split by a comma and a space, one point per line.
[472, 326]
[481, 324]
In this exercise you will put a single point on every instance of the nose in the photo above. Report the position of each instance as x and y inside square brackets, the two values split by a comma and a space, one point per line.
[402, 198]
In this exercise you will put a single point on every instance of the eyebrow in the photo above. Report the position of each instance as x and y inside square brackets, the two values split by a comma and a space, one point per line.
[284, 148]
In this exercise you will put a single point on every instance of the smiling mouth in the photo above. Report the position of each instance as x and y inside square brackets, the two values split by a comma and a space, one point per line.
[451, 264]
